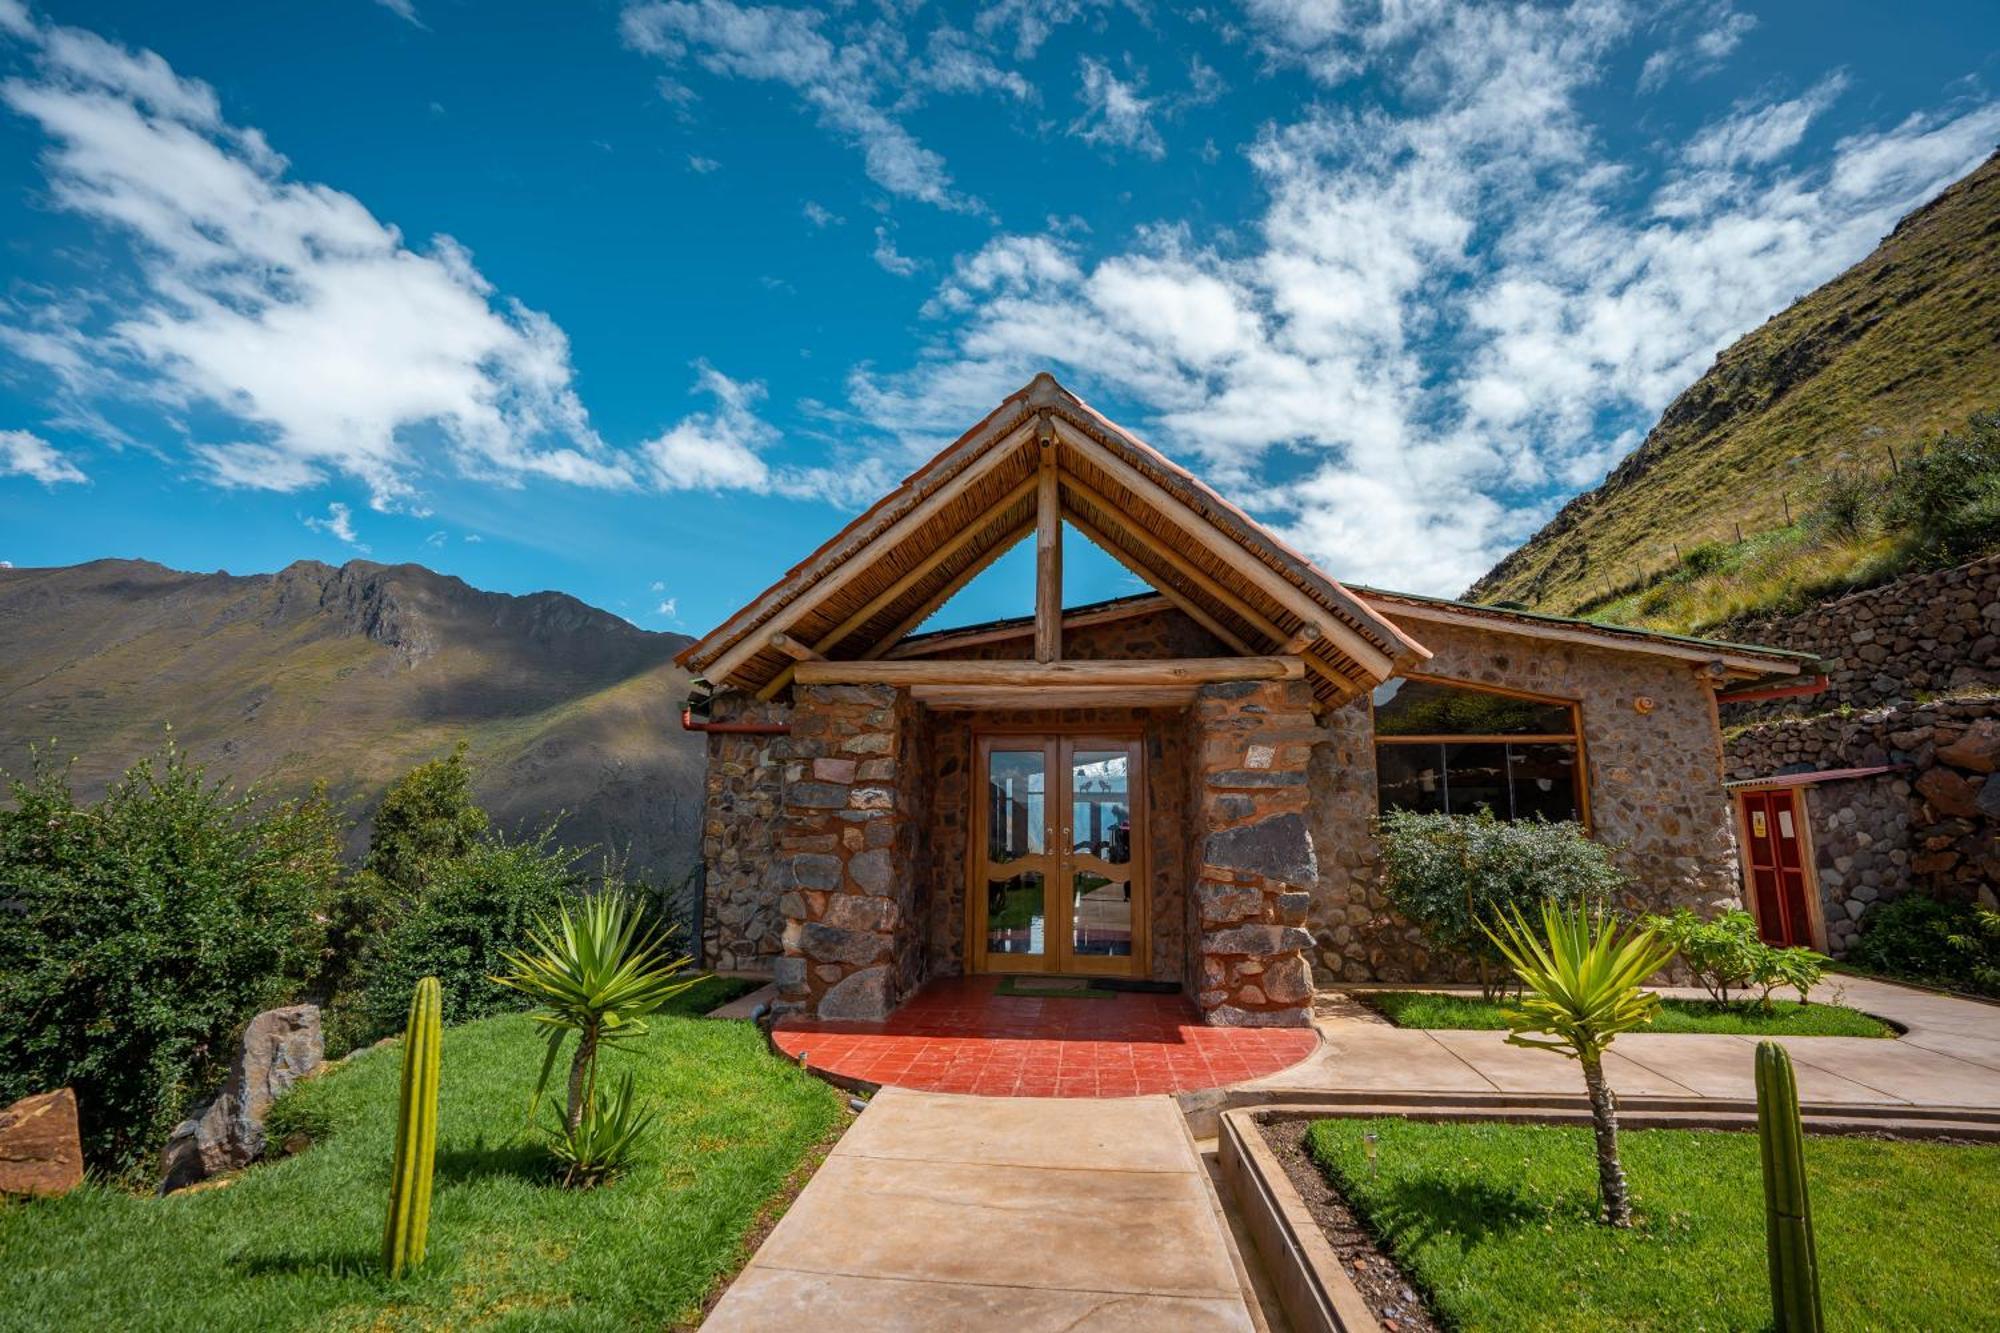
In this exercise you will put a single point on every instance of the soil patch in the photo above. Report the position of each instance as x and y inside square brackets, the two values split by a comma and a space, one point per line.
[1390, 1295]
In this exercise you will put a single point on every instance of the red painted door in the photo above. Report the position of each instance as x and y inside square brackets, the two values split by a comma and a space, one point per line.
[1775, 853]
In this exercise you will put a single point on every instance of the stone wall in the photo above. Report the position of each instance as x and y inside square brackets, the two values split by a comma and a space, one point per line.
[849, 847]
[1654, 781]
[1933, 824]
[1922, 635]
[744, 787]
[1252, 867]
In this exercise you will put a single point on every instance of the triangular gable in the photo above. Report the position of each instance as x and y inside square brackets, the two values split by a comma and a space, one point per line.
[880, 576]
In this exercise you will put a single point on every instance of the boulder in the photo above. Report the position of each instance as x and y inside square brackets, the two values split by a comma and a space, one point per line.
[279, 1047]
[1948, 793]
[40, 1152]
[1978, 749]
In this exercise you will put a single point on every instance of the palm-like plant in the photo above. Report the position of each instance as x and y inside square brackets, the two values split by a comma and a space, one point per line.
[598, 972]
[1581, 986]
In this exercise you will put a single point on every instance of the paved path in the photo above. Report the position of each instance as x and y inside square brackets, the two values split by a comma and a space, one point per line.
[1949, 1057]
[939, 1211]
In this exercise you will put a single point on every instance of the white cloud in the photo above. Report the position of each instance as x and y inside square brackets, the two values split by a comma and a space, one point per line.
[723, 450]
[1714, 32]
[1115, 113]
[6, 564]
[670, 608]
[437, 540]
[821, 216]
[26, 455]
[659, 586]
[885, 255]
[404, 10]
[338, 524]
[1454, 307]
[15, 20]
[861, 83]
[285, 303]
[702, 166]
[474, 538]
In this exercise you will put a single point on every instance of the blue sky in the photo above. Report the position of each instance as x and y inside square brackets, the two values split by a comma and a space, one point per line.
[643, 301]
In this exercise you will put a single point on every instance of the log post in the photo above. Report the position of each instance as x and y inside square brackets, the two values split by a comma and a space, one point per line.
[1048, 552]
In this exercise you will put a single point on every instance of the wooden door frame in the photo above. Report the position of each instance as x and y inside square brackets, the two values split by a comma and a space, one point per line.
[1055, 736]
[1739, 810]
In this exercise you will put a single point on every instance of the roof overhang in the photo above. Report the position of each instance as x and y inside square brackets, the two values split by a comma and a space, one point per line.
[860, 593]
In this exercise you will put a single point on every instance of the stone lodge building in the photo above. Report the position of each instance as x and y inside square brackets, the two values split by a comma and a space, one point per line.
[1177, 787]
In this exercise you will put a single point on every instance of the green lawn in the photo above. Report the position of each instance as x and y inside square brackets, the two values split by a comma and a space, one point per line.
[1495, 1223]
[1785, 1018]
[295, 1245]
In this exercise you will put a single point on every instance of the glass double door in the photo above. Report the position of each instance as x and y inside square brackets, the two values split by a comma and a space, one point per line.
[1058, 883]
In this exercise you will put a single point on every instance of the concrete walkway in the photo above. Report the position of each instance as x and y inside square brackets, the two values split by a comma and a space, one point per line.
[1949, 1057]
[938, 1211]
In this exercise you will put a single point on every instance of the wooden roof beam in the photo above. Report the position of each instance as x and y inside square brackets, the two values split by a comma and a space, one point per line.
[1035, 675]
[1369, 657]
[846, 571]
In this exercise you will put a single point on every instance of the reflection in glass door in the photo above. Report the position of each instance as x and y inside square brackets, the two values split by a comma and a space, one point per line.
[1057, 883]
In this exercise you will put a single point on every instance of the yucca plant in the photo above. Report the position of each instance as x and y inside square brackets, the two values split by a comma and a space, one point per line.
[604, 1141]
[1582, 984]
[597, 971]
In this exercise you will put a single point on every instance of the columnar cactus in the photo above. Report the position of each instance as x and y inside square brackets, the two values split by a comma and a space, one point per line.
[1788, 1233]
[416, 1133]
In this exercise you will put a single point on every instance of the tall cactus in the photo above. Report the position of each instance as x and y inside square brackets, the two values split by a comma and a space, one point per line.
[416, 1133]
[1788, 1233]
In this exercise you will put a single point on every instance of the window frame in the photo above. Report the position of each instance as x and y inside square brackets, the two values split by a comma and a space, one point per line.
[1574, 736]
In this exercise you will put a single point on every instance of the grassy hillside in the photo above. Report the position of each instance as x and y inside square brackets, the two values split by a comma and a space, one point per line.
[1902, 346]
[354, 675]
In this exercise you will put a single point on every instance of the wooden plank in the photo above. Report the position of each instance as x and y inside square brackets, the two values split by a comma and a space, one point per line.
[954, 671]
[950, 590]
[1194, 612]
[1048, 556]
[1073, 696]
[845, 572]
[923, 569]
[1349, 640]
[1004, 423]
[792, 648]
[1303, 640]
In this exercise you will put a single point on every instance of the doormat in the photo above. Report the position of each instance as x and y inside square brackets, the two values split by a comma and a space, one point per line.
[1051, 988]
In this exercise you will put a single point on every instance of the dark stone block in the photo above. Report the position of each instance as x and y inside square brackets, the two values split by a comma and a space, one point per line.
[830, 944]
[1278, 848]
[817, 795]
[813, 871]
[1255, 778]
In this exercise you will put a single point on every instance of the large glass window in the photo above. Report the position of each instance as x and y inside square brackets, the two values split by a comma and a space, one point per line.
[1443, 748]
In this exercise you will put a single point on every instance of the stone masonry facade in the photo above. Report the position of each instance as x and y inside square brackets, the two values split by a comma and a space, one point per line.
[1252, 864]
[1653, 777]
[1913, 668]
[836, 856]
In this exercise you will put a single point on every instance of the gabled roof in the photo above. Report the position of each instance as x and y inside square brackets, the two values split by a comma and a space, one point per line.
[881, 575]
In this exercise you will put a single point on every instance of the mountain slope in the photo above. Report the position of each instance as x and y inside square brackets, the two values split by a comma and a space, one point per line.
[354, 675]
[1901, 346]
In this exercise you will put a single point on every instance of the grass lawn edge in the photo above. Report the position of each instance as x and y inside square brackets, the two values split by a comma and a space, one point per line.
[1449, 1011]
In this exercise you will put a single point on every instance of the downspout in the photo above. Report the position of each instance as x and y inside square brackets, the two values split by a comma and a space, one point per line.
[734, 728]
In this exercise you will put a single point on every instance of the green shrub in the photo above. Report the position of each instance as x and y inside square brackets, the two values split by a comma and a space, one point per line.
[1727, 954]
[1945, 502]
[1954, 945]
[474, 907]
[1846, 505]
[1455, 876]
[1706, 557]
[137, 934]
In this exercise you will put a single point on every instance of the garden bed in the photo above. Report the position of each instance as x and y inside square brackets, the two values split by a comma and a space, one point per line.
[1784, 1018]
[1492, 1226]
[296, 1244]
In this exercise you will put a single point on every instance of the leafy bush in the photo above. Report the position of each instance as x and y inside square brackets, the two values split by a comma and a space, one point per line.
[138, 933]
[473, 907]
[1950, 944]
[1727, 954]
[1706, 557]
[1945, 502]
[1455, 876]
[1846, 505]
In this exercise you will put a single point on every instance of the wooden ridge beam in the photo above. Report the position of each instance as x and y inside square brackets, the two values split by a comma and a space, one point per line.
[1068, 696]
[1034, 675]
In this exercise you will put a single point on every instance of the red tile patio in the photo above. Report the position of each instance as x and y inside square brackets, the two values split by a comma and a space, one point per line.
[958, 1035]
